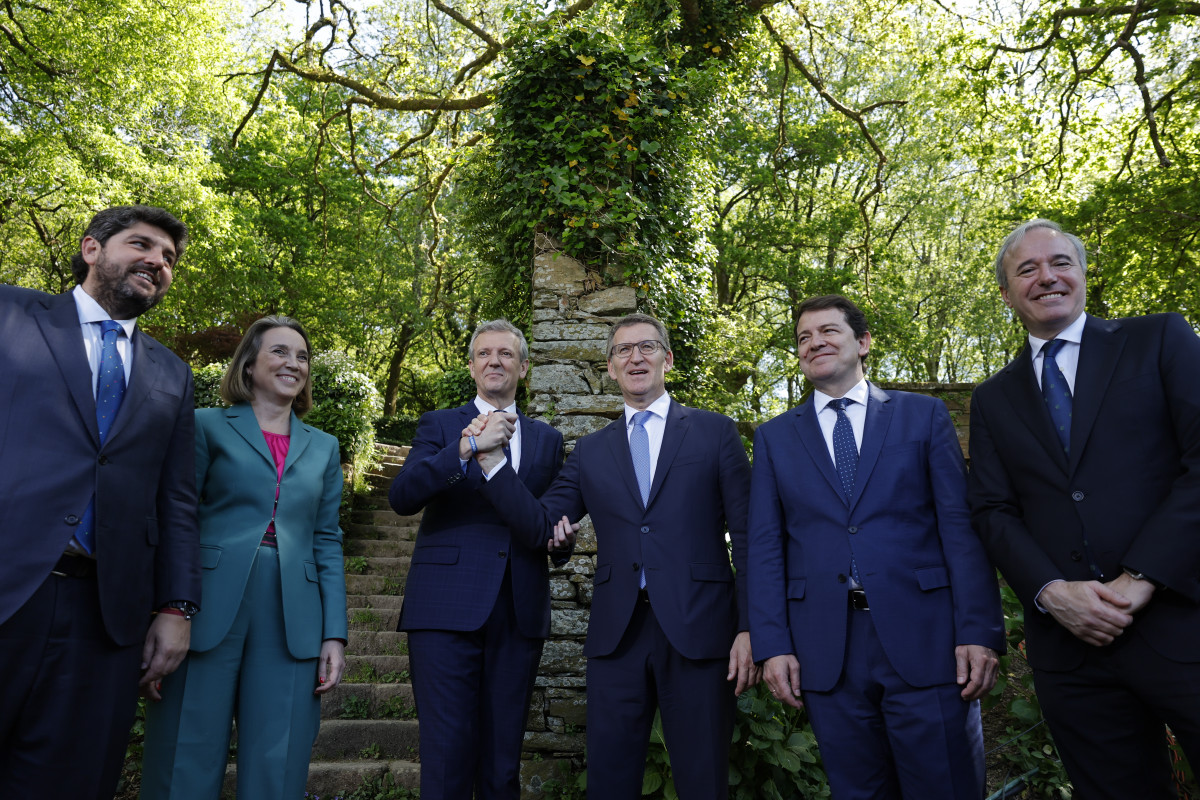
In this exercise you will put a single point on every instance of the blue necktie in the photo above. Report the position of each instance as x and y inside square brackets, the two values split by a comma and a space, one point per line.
[1056, 392]
[639, 448]
[845, 459]
[110, 390]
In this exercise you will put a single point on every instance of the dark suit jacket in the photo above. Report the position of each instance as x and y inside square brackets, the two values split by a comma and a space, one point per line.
[700, 488]
[1128, 495]
[463, 546]
[235, 472]
[51, 463]
[927, 578]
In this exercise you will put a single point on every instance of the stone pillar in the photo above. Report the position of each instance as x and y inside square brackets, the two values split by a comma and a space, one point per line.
[570, 389]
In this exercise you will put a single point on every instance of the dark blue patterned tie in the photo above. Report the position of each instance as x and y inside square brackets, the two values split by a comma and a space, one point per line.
[845, 458]
[110, 390]
[1056, 392]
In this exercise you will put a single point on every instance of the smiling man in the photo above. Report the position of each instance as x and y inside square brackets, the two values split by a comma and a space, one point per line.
[477, 600]
[664, 483]
[1085, 488]
[97, 509]
[871, 598]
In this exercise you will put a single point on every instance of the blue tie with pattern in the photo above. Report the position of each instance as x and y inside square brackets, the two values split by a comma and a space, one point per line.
[845, 459]
[639, 448]
[1056, 392]
[110, 390]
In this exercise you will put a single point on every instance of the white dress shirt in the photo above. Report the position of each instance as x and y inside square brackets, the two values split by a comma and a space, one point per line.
[1068, 355]
[856, 411]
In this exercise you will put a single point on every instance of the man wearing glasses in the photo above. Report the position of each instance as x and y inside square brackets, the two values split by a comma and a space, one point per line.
[663, 484]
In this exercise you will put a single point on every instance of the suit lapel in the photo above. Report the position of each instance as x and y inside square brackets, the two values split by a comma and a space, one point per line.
[879, 417]
[59, 323]
[1099, 350]
[241, 418]
[677, 424]
[810, 434]
[618, 448]
[529, 443]
[301, 437]
[1021, 388]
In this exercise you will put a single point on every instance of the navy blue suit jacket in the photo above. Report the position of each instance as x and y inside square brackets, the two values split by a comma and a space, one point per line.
[51, 463]
[700, 489]
[463, 546]
[1130, 487]
[927, 578]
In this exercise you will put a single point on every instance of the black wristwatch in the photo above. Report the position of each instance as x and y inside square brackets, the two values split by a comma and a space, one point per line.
[189, 609]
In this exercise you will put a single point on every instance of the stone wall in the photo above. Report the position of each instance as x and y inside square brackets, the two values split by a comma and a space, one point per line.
[570, 389]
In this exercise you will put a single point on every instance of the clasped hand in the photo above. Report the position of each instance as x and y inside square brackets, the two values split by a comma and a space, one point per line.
[1093, 611]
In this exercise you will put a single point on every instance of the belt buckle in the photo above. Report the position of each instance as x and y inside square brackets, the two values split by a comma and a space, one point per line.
[858, 600]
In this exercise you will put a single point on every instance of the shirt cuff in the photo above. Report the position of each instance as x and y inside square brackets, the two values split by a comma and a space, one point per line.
[492, 472]
[1037, 604]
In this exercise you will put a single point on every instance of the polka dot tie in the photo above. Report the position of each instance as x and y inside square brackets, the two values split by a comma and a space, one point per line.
[110, 390]
[845, 459]
[1056, 392]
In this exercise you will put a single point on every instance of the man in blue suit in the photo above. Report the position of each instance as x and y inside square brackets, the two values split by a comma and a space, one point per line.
[477, 600]
[97, 509]
[663, 485]
[870, 595]
[1085, 488]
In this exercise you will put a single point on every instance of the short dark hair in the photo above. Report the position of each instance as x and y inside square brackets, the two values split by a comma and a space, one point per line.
[111, 221]
[637, 319]
[855, 318]
[235, 384]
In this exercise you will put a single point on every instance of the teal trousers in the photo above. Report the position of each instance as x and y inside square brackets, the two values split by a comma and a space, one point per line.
[249, 677]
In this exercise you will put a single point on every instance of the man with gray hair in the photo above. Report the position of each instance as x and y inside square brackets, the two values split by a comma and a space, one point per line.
[477, 601]
[1085, 488]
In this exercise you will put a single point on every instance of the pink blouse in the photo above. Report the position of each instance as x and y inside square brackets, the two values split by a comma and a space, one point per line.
[277, 443]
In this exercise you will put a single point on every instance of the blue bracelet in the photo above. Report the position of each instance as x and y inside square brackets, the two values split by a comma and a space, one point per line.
[474, 447]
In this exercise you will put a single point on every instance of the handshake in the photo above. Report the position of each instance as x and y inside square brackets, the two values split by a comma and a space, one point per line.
[485, 439]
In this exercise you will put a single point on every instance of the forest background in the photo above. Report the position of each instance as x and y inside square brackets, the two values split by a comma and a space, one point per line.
[378, 169]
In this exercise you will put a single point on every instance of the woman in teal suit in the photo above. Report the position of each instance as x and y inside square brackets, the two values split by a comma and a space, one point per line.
[270, 638]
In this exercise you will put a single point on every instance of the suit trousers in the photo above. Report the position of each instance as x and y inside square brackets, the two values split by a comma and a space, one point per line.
[695, 701]
[882, 739]
[472, 690]
[1108, 717]
[65, 683]
[249, 676]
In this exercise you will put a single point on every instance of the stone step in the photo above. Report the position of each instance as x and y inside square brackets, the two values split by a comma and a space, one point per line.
[335, 779]
[377, 643]
[386, 548]
[374, 601]
[366, 738]
[383, 565]
[379, 533]
[373, 619]
[382, 516]
[374, 584]
[369, 701]
[376, 669]
[387, 470]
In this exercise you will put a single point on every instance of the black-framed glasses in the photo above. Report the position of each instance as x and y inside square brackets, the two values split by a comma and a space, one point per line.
[647, 348]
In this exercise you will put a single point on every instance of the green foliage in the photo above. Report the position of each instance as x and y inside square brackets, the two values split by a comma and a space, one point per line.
[355, 707]
[208, 385]
[381, 788]
[397, 428]
[455, 387]
[356, 565]
[397, 708]
[345, 405]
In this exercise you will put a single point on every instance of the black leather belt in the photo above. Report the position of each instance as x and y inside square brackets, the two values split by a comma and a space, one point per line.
[74, 567]
[858, 600]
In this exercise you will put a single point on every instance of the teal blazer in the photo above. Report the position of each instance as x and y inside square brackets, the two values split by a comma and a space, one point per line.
[235, 477]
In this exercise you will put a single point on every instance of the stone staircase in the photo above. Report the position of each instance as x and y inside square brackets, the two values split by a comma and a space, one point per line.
[368, 723]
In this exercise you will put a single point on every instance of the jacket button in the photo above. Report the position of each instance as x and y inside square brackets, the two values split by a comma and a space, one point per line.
[645, 529]
[1076, 555]
[853, 529]
[636, 566]
[502, 554]
[71, 519]
[841, 578]
[1077, 495]
[103, 460]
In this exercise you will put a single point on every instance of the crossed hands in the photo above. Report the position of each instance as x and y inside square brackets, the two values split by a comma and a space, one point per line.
[1093, 611]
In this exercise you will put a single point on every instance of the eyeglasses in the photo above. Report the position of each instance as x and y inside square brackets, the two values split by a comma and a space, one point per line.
[646, 348]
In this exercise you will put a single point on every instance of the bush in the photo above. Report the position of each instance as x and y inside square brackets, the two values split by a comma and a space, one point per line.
[208, 385]
[454, 387]
[396, 429]
[345, 405]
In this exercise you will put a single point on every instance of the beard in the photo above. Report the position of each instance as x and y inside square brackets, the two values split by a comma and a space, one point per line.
[116, 293]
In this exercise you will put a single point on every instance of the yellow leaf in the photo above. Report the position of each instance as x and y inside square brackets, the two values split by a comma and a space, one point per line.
[595, 224]
[587, 61]
[572, 162]
[579, 97]
[671, 95]
[717, 50]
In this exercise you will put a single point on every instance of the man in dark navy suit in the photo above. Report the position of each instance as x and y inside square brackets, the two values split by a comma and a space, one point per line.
[869, 590]
[97, 509]
[477, 600]
[1085, 488]
[668, 629]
